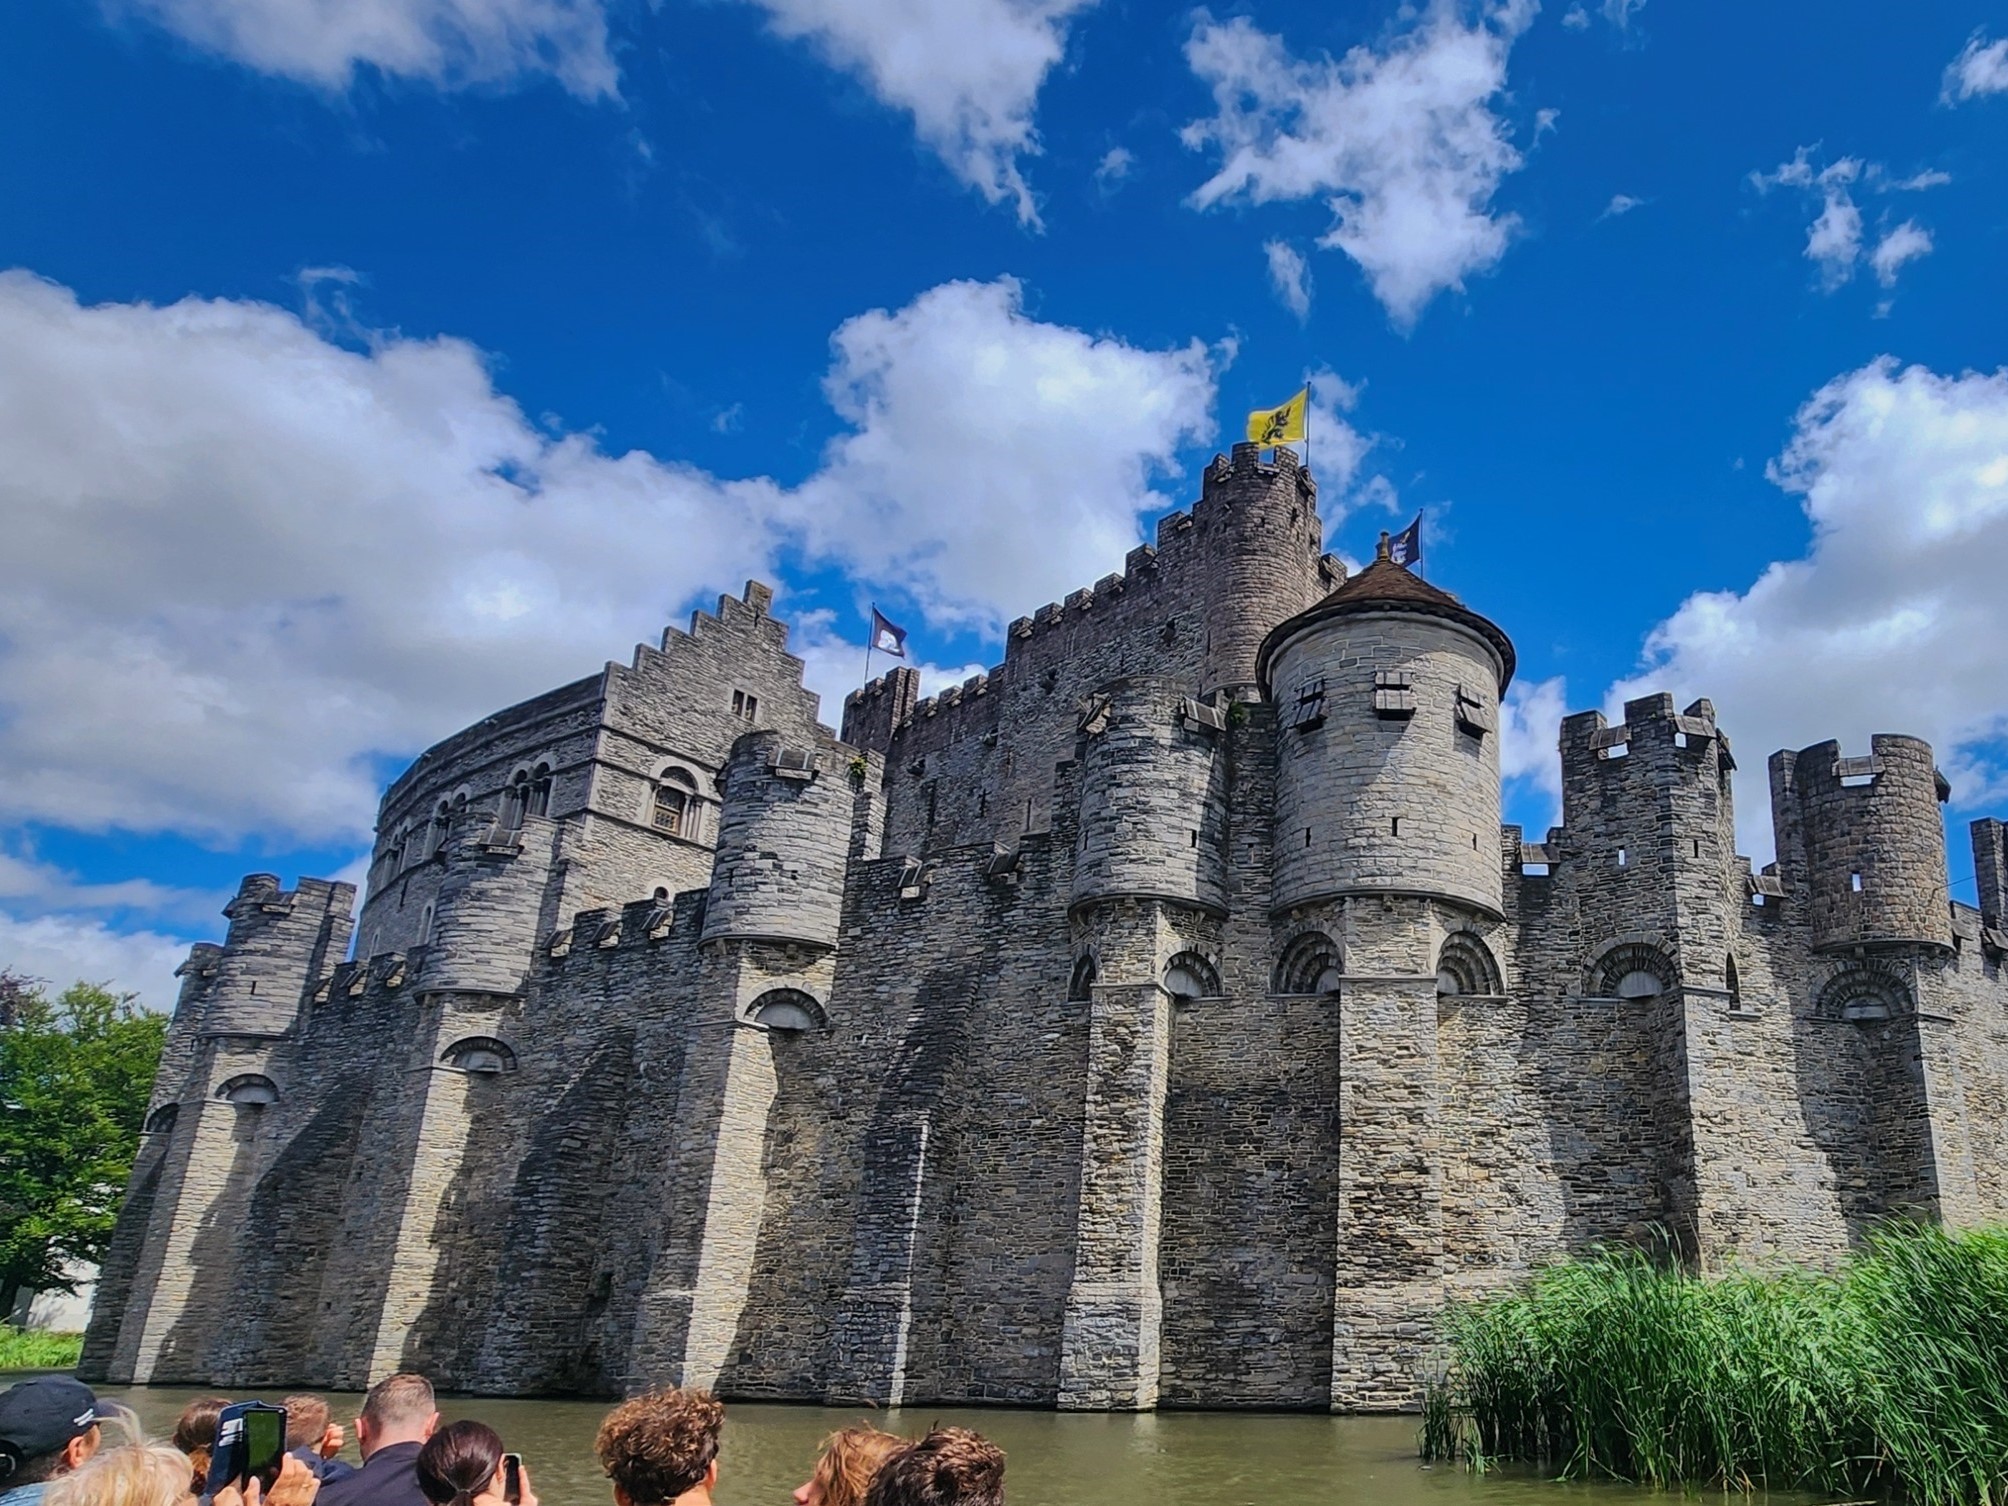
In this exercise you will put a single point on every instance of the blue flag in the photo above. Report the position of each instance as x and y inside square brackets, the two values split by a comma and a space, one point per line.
[1405, 548]
[887, 636]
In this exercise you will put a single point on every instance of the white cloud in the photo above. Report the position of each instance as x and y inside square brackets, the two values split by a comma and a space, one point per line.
[1621, 203]
[834, 666]
[1544, 122]
[29, 886]
[1530, 724]
[449, 43]
[1117, 163]
[993, 462]
[967, 71]
[66, 949]
[1981, 68]
[1834, 241]
[1893, 619]
[1575, 18]
[245, 565]
[1906, 243]
[1401, 141]
[1290, 277]
[1620, 12]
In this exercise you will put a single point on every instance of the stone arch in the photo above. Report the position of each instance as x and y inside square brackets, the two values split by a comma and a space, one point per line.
[162, 1120]
[1465, 966]
[673, 805]
[249, 1090]
[1080, 987]
[1310, 964]
[1865, 993]
[479, 1056]
[1190, 976]
[1632, 968]
[787, 1009]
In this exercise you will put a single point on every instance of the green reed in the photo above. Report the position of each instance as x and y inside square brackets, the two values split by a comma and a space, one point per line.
[38, 1351]
[1889, 1377]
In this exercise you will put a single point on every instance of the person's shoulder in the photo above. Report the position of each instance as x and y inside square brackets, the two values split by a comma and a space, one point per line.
[24, 1495]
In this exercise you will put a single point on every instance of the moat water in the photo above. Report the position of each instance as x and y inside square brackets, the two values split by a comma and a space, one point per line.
[1054, 1459]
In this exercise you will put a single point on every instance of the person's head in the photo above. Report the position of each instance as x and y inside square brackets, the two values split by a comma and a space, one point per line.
[459, 1462]
[136, 1474]
[48, 1427]
[399, 1409]
[307, 1419]
[661, 1446]
[949, 1467]
[196, 1427]
[844, 1473]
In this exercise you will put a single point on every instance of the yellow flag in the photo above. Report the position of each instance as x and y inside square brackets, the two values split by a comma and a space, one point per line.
[1274, 426]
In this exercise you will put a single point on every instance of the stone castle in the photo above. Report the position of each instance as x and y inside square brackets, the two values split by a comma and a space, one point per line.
[1164, 1018]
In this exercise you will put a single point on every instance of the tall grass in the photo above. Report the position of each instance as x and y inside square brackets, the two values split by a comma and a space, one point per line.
[20, 1350]
[1887, 1378]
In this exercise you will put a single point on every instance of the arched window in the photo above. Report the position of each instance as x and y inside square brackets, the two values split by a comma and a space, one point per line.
[1310, 965]
[517, 801]
[425, 925]
[675, 806]
[1864, 995]
[1191, 976]
[479, 1055]
[1464, 968]
[442, 827]
[1082, 985]
[249, 1090]
[787, 1009]
[1633, 970]
[162, 1120]
[540, 790]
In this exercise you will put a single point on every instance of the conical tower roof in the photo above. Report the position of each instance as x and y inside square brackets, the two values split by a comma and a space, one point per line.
[1384, 586]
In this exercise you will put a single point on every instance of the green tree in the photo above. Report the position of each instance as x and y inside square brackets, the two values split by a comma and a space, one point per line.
[75, 1075]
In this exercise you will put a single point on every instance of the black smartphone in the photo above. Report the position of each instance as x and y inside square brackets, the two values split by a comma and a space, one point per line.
[250, 1445]
[512, 1479]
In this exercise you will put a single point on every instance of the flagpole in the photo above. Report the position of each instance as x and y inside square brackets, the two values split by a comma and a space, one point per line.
[871, 632]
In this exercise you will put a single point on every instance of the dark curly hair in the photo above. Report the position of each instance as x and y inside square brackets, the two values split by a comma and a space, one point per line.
[655, 1447]
[458, 1462]
[949, 1467]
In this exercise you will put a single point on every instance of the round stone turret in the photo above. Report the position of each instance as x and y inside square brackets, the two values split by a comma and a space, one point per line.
[1875, 847]
[1387, 695]
[783, 841]
[1259, 525]
[1153, 796]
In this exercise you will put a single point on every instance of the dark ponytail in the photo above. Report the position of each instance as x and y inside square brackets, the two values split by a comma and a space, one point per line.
[458, 1462]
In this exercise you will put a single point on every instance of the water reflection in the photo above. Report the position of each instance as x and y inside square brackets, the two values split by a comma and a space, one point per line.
[1055, 1459]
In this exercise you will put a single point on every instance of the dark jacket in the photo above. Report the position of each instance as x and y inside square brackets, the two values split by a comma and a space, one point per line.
[327, 1471]
[389, 1477]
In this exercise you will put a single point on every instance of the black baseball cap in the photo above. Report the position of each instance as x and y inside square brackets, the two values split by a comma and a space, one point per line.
[39, 1416]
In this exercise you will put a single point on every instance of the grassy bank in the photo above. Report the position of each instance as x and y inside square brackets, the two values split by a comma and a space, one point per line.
[38, 1351]
[1887, 1379]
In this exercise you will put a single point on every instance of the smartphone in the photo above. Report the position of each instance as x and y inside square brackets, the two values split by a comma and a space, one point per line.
[512, 1479]
[250, 1445]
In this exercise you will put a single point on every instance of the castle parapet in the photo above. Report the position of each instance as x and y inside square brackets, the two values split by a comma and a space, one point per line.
[784, 836]
[280, 940]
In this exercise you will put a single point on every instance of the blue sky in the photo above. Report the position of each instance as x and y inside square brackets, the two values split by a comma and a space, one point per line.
[365, 368]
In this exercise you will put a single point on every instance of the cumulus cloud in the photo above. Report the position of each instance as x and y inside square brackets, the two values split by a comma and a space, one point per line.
[248, 568]
[992, 460]
[1290, 276]
[1530, 722]
[1892, 620]
[1575, 18]
[65, 949]
[29, 886]
[1981, 68]
[967, 71]
[1901, 245]
[1401, 141]
[448, 43]
[1117, 163]
[1834, 240]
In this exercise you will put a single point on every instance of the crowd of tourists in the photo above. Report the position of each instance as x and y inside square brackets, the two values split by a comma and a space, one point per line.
[660, 1449]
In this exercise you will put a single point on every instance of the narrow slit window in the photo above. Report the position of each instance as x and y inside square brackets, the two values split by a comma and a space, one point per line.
[1855, 882]
[1394, 827]
[1624, 858]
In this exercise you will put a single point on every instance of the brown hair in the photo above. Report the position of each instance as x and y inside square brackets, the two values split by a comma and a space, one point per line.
[195, 1435]
[306, 1420]
[399, 1401]
[655, 1447]
[458, 1462]
[949, 1467]
[851, 1456]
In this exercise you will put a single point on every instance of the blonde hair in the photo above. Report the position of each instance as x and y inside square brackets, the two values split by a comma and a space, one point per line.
[851, 1456]
[136, 1474]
